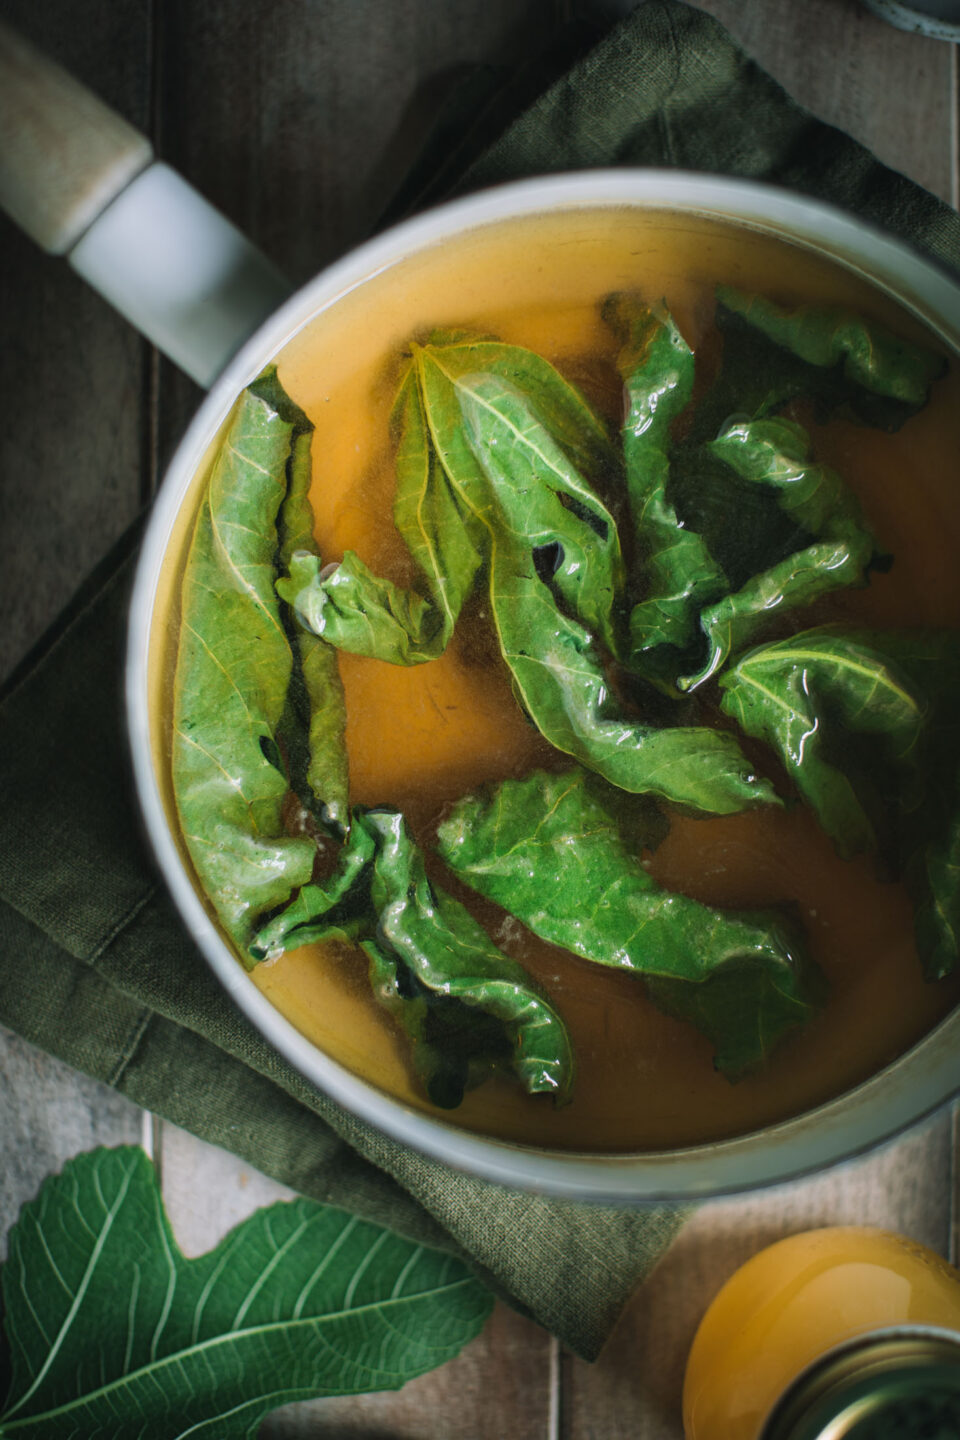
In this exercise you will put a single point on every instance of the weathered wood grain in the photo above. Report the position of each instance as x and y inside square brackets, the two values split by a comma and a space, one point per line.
[71, 443]
[48, 1114]
[302, 135]
[890, 90]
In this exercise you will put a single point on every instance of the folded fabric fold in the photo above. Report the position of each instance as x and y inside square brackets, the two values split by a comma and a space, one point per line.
[98, 969]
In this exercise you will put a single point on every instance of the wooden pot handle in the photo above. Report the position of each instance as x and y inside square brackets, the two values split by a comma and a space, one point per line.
[83, 183]
[64, 155]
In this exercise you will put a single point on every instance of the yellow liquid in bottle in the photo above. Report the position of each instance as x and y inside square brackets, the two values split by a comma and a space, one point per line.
[791, 1304]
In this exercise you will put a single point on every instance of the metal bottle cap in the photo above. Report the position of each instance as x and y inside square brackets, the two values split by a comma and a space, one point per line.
[892, 1384]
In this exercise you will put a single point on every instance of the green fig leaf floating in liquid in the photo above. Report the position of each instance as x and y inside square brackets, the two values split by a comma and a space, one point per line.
[556, 667]
[547, 849]
[312, 729]
[115, 1333]
[801, 694]
[773, 354]
[234, 665]
[468, 1009]
[555, 574]
[926, 794]
[869, 357]
[866, 726]
[558, 405]
[439, 506]
[362, 613]
[543, 504]
[429, 514]
[677, 571]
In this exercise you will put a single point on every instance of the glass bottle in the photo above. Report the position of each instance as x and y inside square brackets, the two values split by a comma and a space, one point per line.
[831, 1333]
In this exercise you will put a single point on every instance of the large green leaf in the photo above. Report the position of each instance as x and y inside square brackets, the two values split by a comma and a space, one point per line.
[775, 454]
[547, 849]
[867, 726]
[466, 1007]
[428, 514]
[678, 574]
[544, 505]
[927, 792]
[234, 665]
[115, 1335]
[557, 669]
[440, 505]
[868, 356]
[365, 614]
[774, 354]
[558, 405]
[803, 696]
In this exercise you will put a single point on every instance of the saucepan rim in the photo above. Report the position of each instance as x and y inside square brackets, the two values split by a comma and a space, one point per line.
[919, 1081]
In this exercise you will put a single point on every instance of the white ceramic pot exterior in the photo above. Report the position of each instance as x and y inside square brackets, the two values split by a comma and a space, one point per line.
[920, 1080]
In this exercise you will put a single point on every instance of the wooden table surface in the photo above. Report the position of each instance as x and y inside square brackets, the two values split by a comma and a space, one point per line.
[298, 120]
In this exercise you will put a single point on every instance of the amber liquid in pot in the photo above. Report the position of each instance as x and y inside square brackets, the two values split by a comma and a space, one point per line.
[419, 737]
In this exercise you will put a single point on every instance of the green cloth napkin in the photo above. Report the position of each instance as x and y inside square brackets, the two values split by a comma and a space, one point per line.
[96, 966]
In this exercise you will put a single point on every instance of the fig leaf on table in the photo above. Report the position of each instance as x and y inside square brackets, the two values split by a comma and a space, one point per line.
[547, 849]
[113, 1332]
[866, 725]
[468, 1009]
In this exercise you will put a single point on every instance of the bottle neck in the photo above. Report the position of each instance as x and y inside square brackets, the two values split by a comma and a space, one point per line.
[895, 1382]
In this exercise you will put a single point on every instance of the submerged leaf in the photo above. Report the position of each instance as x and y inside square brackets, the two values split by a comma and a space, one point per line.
[474, 1009]
[866, 725]
[802, 695]
[932, 877]
[547, 849]
[440, 505]
[928, 819]
[678, 573]
[773, 354]
[233, 671]
[775, 454]
[866, 353]
[468, 1009]
[114, 1333]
